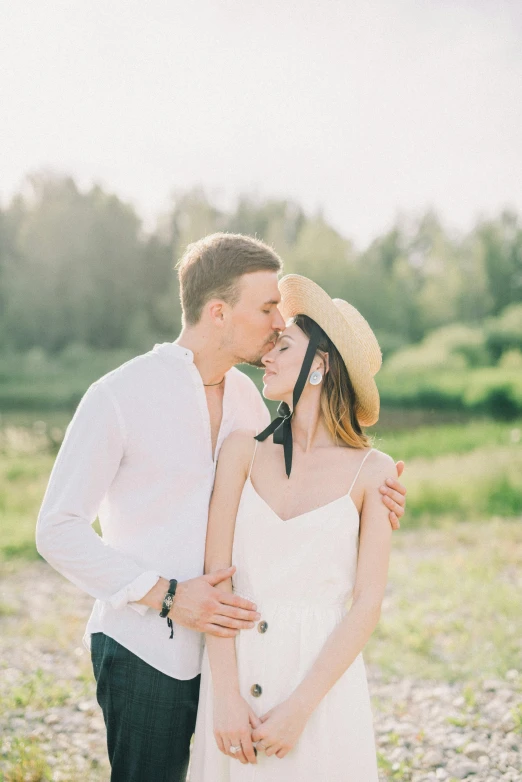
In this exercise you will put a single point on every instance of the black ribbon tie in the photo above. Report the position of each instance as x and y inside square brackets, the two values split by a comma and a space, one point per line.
[281, 427]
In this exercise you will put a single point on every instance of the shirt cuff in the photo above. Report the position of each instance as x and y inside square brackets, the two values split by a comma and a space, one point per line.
[135, 591]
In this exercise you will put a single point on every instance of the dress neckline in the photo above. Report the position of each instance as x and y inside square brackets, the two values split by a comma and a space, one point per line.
[306, 513]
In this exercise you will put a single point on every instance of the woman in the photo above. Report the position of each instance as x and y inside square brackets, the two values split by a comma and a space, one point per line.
[298, 511]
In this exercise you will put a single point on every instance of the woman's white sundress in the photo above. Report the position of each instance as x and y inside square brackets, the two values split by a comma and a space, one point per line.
[300, 572]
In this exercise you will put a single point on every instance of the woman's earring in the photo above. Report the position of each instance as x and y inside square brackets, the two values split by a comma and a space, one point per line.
[315, 378]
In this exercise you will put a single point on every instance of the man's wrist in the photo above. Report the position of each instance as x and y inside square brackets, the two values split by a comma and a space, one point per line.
[154, 597]
[168, 599]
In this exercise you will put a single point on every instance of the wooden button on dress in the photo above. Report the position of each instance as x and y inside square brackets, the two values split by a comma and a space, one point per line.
[256, 690]
[262, 627]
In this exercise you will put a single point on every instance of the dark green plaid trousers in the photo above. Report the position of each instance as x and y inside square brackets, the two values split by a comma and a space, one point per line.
[150, 717]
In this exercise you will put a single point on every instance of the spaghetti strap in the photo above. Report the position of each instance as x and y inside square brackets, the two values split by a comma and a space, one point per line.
[253, 457]
[359, 470]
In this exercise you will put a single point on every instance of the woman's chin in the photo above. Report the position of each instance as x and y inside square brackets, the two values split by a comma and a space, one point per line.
[268, 392]
[273, 394]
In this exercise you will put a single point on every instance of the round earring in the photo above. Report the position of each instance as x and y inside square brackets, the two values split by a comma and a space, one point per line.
[315, 378]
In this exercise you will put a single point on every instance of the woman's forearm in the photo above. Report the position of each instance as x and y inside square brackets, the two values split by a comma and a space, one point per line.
[222, 651]
[223, 664]
[340, 650]
[231, 474]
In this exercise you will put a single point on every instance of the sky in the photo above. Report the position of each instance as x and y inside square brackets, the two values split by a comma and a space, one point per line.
[365, 109]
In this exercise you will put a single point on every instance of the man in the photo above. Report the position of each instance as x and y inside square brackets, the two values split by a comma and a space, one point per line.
[140, 453]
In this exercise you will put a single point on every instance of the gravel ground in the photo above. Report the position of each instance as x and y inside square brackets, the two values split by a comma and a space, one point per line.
[425, 730]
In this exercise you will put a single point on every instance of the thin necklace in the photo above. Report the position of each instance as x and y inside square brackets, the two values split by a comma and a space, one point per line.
[214, 384]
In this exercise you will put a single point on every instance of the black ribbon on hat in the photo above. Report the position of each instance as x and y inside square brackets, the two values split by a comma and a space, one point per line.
[281, 427]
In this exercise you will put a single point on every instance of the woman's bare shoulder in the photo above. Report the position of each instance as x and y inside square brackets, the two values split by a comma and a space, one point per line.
[238, 446]
[378, 467]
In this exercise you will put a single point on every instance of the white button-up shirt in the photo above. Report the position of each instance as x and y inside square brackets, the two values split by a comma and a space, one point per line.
[138, 454]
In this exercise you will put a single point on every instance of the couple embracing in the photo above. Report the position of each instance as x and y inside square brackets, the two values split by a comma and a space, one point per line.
[276, 554]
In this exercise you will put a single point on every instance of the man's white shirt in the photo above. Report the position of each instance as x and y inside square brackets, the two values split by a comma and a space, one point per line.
[138, 454]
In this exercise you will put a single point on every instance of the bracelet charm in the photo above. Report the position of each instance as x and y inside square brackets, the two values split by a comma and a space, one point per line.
[167, 604]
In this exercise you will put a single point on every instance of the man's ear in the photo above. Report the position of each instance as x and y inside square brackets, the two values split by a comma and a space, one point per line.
[216, 309]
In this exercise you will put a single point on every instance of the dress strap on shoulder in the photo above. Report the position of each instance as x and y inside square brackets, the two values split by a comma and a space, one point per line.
[359, 470]
[253, 457]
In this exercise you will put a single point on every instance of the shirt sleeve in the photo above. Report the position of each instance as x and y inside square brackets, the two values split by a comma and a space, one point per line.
[85, 467]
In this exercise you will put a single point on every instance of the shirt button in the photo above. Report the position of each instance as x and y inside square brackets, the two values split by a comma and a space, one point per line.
[262, 627]
[256, 690]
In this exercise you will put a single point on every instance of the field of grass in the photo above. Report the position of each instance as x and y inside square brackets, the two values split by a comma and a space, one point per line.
[464, 484]
[451, 611]
[451, 614]
[429, 442]
[453, 473]
[452, 606]
[50, 727]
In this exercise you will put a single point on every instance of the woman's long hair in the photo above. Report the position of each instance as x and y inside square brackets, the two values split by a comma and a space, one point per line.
[338, 401]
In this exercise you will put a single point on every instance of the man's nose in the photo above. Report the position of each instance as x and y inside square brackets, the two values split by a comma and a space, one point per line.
[279, 322]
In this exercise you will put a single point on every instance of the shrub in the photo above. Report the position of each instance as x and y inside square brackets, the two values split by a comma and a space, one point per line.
[505, 332]
[486, 391]
[511, 359]
[453, 347]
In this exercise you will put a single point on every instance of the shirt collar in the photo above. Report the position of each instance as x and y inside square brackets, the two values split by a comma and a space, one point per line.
[172, 350]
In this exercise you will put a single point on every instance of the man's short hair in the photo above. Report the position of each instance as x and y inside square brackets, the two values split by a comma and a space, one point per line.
[211, 268]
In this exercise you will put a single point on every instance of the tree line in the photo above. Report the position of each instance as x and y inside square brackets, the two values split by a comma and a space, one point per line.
[77, 266]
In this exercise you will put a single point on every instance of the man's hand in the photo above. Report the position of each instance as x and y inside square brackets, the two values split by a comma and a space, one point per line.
[199, 606]
[394, 497]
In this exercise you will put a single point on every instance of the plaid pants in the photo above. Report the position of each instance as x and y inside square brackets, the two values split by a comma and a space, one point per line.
[150, 717]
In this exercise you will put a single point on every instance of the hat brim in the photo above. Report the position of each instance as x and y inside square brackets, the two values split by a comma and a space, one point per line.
[302, 296]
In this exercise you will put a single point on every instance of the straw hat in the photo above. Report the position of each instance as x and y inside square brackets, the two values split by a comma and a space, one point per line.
[348, 330]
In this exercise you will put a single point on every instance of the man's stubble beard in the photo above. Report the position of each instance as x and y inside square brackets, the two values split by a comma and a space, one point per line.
[237, 358]
[252, 361]
[255, 361]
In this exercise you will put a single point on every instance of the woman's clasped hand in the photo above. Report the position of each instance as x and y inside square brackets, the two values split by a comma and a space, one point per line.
[240, 734]
[234, 722]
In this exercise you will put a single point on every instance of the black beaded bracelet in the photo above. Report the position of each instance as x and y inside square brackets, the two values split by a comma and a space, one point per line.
[168, 600]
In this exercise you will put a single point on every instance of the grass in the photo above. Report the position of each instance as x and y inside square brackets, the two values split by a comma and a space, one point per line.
[22, 486]
[478, 485]
[451, 613]
[24, 761]
[430, 442]
[517, 716]
[43, 670]
[453, 609]
[38, 690]
[453, 473]
[395, 772]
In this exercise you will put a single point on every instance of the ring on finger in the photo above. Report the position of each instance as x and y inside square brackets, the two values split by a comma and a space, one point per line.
[234, 749]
